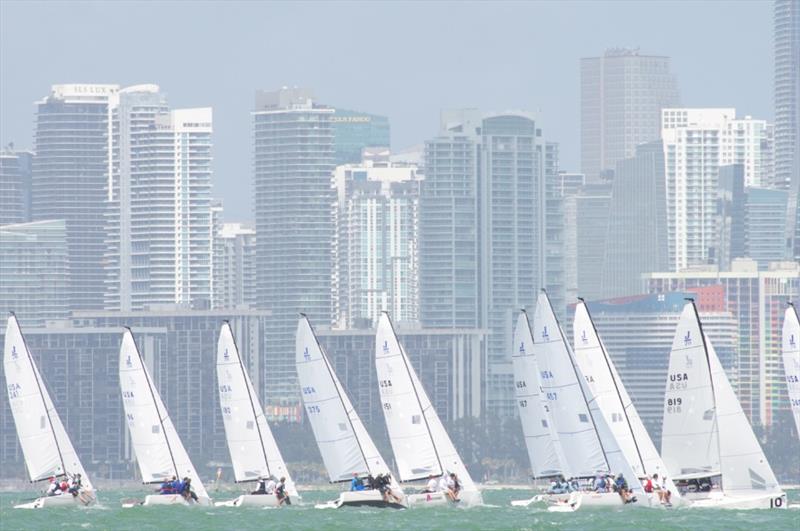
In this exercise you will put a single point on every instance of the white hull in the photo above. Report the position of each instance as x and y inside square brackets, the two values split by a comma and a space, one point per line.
[363, 498]
[763, 501]
[251, 500]
[602, 499]
[428, 499]
[167, 499]
[62, 500]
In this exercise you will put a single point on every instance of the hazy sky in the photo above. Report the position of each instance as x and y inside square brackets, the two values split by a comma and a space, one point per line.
[407, 60]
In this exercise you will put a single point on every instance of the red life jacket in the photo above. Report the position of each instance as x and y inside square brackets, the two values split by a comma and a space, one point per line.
[648, 487]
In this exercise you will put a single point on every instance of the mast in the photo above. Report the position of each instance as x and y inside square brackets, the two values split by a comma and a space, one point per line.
[155, 404]
[250, 397]
[41, 395]
[578, 379]
[710, 379]
[616, 386]
[416, 395]
[338, 393]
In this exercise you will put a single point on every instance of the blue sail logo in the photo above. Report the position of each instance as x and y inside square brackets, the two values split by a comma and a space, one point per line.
[386, 347]
[545, 335]
[225, 355]
[306, 355]
[522, 348]
[687, 340]
[583, 337]
[14, 354]
[792, 341]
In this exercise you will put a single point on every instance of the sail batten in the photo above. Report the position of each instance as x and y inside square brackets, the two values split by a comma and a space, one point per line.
[254, 452]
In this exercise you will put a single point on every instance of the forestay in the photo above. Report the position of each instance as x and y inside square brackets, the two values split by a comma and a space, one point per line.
[420, 442]
[344, 443]
[159, 451]
[540, 438]
[254, 452]
[565, 397]
[791, 360]
[45, 444]
[613, 399]
[744, 466]
[689, 444]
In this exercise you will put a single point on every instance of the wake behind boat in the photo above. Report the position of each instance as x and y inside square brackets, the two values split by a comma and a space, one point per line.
[706, 432]
[347, 450]
[161, 457]
[254, 453]
[47, 449]
[421, 446]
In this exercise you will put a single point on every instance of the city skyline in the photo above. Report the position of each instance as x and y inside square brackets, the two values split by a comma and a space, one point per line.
[488, 85]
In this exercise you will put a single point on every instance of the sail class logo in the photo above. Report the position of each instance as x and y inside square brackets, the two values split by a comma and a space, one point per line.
[522, 348]
[545, 335]
[225, 355]
[792, 341]
[583, 337]
[306, 355]
[385, 346]
[14, 353]
[687, 339]
[128, 362]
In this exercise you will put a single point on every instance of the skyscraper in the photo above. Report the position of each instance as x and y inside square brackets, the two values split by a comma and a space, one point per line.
[70, 177]
[15, 186]
[696, 143]
[160, 210]
[234, 266]
[353, 131]
[294, 160]
[786, 39]
[622, 94]
[763, 224]
[483, 231]
[637, 224]
[586, 214]
[375, 251]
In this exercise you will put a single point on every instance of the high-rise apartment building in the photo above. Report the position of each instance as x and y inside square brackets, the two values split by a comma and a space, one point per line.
[622, 94]
[34, 271]
[483, 230]
[234, 266]
[70, 180]
[730, 223]
[375, 250]
[160, 248]
[637, 224]
[786, 40]
[353, 131]
[763, 220]
[293, 165]
[637, 333]
[757, 300]
[586, 214]
[15, 186]
[696, 143]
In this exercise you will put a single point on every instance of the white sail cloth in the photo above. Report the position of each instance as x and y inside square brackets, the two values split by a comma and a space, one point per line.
[791, 361]
[540, 438]
[689, 443]
[158, 448]
[613, 399]
[254, 452]
[420, 442]
[45, 444]
[344, 443]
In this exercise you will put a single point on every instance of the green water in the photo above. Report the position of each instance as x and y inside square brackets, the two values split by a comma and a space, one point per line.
[496, 514]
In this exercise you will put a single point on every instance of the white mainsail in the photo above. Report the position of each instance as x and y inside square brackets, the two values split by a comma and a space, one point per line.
[562, 390]
[689, 444]
[420, 442]
[344, 443]
[589, 445]
[791, 360]
[613, 399]
[45, 444]
[159, 451]
[540, 438]
[254, 452]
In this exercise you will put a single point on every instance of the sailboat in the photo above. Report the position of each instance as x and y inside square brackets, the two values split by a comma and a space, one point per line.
[706, 432]
[346, 447]
[544, 450]
[614, 401]
[158, 449]
[421, 446]
[45, 444]
[791, 360]
[589, 445]
[254, 453]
